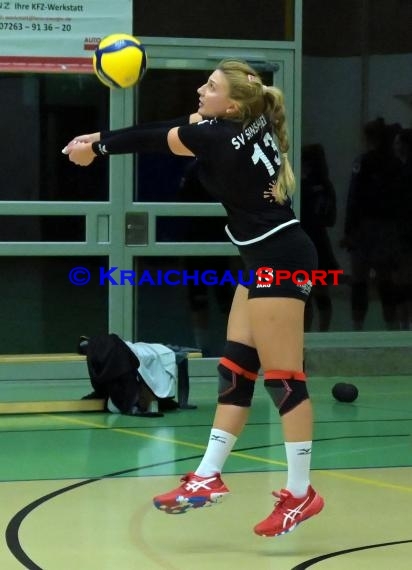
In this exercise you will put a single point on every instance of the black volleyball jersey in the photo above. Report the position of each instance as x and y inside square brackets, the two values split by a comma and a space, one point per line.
[238, 165]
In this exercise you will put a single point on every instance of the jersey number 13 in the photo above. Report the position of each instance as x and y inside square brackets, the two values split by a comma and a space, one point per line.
[259, 154]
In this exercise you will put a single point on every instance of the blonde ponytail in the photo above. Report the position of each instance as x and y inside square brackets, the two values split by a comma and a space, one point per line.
[275, 110]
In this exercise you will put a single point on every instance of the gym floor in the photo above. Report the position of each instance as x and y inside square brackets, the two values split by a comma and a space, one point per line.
[76, 489]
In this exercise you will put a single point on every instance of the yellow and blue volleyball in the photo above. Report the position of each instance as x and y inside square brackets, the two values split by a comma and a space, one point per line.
[120, 61]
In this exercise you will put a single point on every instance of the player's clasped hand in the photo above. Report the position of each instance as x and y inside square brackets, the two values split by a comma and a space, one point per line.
[79, 150]
[81, 154]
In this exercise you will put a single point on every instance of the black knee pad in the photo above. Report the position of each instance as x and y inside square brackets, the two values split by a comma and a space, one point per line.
[238, 370]
[287, 389]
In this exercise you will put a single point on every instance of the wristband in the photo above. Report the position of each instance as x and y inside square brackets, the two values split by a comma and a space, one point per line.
[99, 149]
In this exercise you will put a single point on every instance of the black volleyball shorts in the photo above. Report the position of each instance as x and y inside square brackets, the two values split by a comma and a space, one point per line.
[281, 265]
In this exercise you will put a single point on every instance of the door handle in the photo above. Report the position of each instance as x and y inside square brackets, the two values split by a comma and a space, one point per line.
[137, 228]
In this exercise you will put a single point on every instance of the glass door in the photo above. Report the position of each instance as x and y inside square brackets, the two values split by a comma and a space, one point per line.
[61, 226]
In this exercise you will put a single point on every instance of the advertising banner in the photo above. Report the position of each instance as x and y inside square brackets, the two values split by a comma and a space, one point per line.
[60, 35]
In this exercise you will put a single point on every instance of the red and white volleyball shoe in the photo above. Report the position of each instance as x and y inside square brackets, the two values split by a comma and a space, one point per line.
[195, 492]
[289, 511]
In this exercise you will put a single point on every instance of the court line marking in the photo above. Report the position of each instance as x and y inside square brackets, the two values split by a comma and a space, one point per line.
[247, 456]
[323, 557]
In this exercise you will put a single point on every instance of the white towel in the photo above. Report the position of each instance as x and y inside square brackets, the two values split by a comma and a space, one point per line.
[157, 367]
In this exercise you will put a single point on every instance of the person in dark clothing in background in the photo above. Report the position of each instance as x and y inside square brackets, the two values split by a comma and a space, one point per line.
[318, 213]
[371, 234]
[402, 147]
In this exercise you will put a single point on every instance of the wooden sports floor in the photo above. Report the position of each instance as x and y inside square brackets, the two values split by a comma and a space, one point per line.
[76, 489]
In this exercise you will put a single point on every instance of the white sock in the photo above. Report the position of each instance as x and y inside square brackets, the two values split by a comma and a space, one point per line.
[298, 455]
[218, 449]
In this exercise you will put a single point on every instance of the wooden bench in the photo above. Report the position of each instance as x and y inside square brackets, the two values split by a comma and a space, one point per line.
[88, 405]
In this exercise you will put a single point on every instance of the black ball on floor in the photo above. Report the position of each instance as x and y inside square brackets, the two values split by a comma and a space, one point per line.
[343, 392]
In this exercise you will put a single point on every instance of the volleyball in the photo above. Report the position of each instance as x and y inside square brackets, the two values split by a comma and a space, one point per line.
[119, 60]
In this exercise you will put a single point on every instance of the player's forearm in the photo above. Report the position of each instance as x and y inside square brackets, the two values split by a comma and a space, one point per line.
[134, 140]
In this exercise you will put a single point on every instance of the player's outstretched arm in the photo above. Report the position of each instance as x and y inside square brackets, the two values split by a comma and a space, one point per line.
[160, 140]
[96, 137]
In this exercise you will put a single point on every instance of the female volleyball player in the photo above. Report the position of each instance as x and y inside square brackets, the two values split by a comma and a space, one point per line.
[239, 137]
